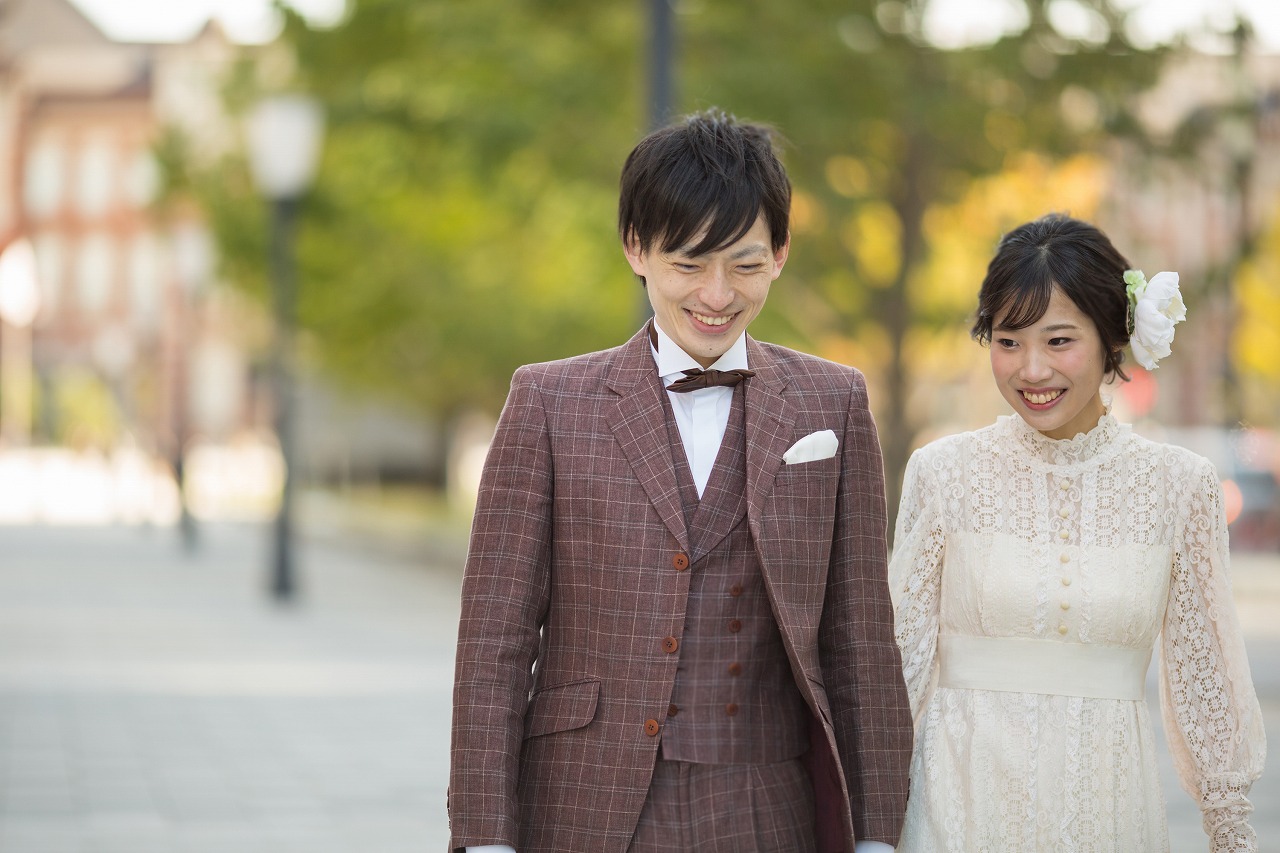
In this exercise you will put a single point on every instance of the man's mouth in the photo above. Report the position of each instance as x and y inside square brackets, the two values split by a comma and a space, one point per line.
[1042, 397]
[711, 321]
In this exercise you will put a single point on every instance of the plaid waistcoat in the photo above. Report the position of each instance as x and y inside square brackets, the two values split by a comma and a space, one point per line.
[734, 700]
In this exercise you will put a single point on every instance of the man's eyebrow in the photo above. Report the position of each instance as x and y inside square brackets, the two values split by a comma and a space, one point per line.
[745, 251]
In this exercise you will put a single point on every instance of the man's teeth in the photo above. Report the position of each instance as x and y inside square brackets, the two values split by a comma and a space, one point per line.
[711, 321]
[1041, 399]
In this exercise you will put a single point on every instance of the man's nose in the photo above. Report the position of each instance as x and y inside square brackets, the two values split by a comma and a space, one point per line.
[717, 290]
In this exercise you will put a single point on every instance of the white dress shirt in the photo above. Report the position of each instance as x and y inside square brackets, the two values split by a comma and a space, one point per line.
[701, 417]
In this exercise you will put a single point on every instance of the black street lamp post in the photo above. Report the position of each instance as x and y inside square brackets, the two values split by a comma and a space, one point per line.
[284, 145]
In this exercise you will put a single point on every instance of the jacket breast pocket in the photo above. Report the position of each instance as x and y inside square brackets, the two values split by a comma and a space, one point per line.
[819, 472]
[561, 708]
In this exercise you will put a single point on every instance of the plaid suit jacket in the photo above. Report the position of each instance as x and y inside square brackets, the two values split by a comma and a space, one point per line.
[571, 586]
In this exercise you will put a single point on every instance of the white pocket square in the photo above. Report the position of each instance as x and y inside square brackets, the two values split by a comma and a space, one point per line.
[811, 448]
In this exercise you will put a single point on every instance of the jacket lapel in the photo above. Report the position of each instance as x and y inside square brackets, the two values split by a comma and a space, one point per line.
[770, 421]
[638, 421]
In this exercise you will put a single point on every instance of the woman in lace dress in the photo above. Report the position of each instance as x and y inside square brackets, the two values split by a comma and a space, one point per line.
[1036, 564]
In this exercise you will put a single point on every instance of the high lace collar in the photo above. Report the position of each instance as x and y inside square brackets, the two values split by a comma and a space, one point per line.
[1084, 447]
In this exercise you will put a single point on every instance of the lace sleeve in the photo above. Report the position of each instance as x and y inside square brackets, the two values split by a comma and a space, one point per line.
[1211, 713]
[915, 578]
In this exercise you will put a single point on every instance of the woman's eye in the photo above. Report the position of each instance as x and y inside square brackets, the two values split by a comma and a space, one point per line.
[1057, 342]
[1006, 343]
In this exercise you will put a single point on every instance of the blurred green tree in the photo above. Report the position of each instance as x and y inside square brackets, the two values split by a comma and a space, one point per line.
[463, 219]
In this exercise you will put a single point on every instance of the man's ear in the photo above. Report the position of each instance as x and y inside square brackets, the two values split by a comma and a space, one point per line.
[780, 256]
[635, 255]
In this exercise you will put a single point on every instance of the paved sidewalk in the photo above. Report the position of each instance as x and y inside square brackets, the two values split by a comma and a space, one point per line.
[157, 702]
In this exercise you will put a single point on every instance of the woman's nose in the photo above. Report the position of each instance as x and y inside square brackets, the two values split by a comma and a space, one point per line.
[1035, 367]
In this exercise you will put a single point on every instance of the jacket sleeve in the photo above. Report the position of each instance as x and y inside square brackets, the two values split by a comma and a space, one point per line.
[860, 660]
[1211, 712]
[505, 594]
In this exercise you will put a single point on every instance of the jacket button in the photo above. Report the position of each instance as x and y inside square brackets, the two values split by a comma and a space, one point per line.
[680, 561]
[735, 625]
[670, 644]
[651, 728]
[735, 669]
[731, 709]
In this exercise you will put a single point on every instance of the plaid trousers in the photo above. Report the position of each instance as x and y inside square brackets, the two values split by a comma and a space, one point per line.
[727, 808]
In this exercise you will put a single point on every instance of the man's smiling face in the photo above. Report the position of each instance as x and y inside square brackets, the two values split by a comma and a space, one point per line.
[705, 302]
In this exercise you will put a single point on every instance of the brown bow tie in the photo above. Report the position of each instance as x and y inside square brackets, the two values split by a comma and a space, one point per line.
[697, 378]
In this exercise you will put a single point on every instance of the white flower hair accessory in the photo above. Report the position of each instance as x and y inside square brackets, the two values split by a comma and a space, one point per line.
[1155, 307]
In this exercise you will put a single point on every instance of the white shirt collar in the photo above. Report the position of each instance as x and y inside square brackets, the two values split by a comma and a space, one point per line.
[672, 360]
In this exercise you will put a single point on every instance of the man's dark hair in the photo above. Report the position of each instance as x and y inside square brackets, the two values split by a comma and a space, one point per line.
[1057, 251]
[707, 171]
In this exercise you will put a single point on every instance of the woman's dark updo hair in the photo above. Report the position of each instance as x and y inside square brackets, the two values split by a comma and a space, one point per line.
[1057, 251]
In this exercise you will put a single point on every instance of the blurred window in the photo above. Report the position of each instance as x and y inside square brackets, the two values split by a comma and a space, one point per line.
[93, 189]
[95, 273]
[145, 280]
[51, 264]
[143, 179]
[44, 182]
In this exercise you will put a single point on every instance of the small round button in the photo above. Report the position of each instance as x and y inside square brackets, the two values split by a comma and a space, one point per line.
[1064, 512]
[731, 709]
[1063, 534]
[735, 669]
[1066, 605]
[680, 561]
[1066, 581]
[1062, 629]
[1064, 558]
[1064, 484]
[651, 728]
[670, 645]
[735, 625]
[735, 590]
[672, 710]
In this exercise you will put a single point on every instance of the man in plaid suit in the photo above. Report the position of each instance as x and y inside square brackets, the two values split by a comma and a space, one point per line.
[676, 629]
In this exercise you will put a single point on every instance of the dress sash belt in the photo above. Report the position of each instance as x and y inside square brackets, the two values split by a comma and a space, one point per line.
[1024, 665]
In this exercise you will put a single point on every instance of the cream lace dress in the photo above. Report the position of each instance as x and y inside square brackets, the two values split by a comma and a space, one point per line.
[1031, 580]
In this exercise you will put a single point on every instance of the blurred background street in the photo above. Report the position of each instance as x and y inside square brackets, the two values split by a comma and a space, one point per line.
[153, 701]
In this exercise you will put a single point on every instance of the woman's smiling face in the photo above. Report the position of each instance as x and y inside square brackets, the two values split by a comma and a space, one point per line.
[1051, 371]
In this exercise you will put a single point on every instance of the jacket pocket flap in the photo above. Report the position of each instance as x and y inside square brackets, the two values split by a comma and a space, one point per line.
[561, 708]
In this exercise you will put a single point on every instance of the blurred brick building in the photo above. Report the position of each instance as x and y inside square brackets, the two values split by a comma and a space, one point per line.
[131, 341]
